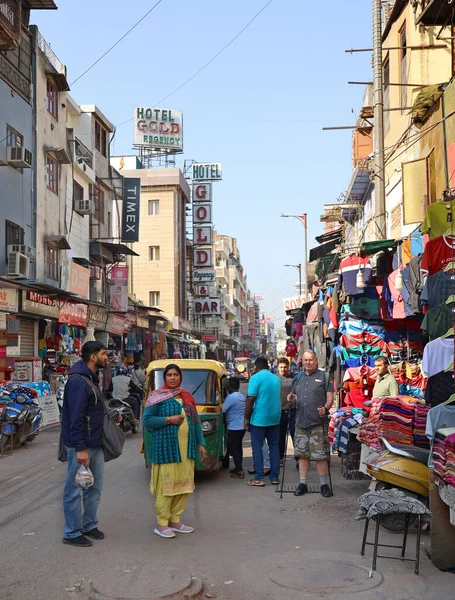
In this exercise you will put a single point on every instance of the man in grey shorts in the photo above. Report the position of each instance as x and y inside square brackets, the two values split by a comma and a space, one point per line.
[314, 399]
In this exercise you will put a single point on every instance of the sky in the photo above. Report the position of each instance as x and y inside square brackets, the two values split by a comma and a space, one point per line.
[259, 108]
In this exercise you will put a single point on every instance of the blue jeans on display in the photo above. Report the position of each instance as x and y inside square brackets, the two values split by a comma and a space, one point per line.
[272, 435]
[80, 506]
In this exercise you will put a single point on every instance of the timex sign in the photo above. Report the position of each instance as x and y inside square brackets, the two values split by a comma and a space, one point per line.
[131, 206]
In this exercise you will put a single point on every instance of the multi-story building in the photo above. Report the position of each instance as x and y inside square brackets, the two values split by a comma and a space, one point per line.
[158, 274]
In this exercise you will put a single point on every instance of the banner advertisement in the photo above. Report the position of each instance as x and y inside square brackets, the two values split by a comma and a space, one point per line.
[9, 300]
[130, 209]
[72, 313]
[77, 280]
[160, 128]
[119, 291]
[116, 324]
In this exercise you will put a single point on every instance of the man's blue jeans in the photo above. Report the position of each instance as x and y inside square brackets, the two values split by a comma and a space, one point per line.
[272, 435]
[80, 506]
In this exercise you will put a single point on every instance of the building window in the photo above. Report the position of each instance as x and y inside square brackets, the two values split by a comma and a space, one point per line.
[101, 138]
[52, 173]
[97, 195]
[403, 67]
[386, 86]
[52, 262]
[154, 253]
[154, 298]
[52, 99]
[154, 208]
[13, 137]
[78, 192]
[14, 234]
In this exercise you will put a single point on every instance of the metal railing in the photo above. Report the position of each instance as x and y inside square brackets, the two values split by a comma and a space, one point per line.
[83, 152]
[50, 55]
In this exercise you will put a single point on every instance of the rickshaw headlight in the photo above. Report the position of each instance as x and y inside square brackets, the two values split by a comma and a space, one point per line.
[207, 426]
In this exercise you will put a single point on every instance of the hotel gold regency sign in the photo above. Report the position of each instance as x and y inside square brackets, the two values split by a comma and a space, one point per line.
[159, 128]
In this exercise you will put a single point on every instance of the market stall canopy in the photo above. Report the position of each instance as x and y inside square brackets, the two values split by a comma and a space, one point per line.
[327, 264]
[328, 242]
[369, 248]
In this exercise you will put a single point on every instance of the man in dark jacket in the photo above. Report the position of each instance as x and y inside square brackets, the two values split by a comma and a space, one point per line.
[82, 424]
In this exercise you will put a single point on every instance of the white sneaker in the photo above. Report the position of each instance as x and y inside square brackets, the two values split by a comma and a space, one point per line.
[164, 533]
[181, 528]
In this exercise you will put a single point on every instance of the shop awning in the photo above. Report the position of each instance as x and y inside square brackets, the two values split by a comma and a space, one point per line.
[40, 4]
[426, 98]
[336, 234]
[82, 261]
[327, 264]
[369, 248]
[359, 184]
[60, 153]
[58, 240]
[119, 249]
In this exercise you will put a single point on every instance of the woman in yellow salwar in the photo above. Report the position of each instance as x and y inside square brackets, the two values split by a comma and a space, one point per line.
[176, 437]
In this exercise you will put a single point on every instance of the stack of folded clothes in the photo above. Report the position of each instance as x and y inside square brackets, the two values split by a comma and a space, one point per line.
[396, 418]
[450, 457]
[368, 434]
[420, 421]
[439, 455]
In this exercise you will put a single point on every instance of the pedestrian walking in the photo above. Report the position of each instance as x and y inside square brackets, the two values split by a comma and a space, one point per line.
[314, 399]
[173, 432]
[287, 411]
[262, 418]
[234, 409]
[82, 424]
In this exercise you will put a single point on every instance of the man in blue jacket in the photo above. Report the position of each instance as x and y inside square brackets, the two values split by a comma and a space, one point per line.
[82, 424]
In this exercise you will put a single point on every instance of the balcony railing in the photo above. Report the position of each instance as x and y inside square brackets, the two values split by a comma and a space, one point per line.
[50, 55]
[82, 152]
[10, 24]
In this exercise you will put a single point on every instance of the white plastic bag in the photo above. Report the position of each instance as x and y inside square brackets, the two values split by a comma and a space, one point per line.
[84, 478]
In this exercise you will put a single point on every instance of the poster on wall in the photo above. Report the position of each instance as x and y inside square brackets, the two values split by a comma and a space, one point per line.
[119, 292]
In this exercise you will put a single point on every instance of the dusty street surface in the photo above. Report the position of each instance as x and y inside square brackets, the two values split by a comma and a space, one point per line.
[248, 543]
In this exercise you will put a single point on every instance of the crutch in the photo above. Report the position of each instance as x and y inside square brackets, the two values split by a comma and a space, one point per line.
[325, 433]
[286, 439]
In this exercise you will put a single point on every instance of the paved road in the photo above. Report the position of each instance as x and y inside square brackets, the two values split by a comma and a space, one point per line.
[245, 536]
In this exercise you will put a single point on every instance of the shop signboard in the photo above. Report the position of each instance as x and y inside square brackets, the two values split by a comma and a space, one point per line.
[204, 276]
[9, 300]
[202, 257]
[131, 320]
[143, 322]
[73, 313]
[208, 338]
[97, 317]
[50, 414]
[77, 280]
[116, 324]
[208, 306]
[40, 304]
[119, 292]
[207, 172]
[130, 209]
[202, 192]
[202, 235]
[158, 128]
[293, 302]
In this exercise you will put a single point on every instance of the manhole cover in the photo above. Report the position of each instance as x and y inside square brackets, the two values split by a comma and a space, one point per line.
[144, 583]
[289, 488]
[318, 572]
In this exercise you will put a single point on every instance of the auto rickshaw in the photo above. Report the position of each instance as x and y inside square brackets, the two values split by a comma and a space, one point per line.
[204, 379]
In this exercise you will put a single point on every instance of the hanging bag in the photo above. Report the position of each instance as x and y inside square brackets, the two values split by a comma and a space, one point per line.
[113, 436]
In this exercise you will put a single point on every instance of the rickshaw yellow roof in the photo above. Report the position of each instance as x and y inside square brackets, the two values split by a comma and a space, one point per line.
[189, 364]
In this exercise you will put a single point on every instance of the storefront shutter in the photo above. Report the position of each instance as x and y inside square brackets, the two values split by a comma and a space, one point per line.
[27, 333]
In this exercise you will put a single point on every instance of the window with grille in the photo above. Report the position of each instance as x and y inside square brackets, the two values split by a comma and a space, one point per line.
[13, 137]
[154, 298]
[154, 208]
[154, 253]
[52, 173]
[101, 138]
[14, 234]
[52, 99]
[52, 262]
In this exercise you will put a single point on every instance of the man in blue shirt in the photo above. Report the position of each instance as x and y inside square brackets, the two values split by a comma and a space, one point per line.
[234, 409]
[262, 418]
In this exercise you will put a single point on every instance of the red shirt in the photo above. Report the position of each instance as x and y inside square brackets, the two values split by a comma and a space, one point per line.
[437, 255]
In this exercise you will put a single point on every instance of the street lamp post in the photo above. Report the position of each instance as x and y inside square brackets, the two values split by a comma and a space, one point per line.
[299, 269]
[303, 220]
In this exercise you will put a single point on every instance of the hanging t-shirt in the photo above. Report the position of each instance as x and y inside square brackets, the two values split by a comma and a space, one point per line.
[438, 253]
[439, 417]
[347, 274]
[439, 217]
[398, 301]
[440, 387]
[437, 356]
[438, 288]
[437, 321]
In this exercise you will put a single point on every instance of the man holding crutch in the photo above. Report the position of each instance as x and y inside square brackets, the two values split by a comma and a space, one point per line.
[313, 393]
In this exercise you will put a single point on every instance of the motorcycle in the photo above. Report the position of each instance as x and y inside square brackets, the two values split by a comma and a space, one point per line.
[123, 415]
[21, 421]
[402, 467]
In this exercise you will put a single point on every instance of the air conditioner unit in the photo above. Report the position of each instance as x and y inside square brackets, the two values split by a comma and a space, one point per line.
[19, 157]
[27, 250]
[18, 265]
[85, 207]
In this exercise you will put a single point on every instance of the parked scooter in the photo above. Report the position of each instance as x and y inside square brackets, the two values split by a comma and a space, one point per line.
[404, 468]
[123, 415]
[22, 420]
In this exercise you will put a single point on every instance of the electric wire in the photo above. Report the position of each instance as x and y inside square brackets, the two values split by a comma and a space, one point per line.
[93, 64]
[225, 47]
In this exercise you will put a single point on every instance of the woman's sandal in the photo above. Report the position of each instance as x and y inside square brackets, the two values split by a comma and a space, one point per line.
[238, 475]
[255, 483]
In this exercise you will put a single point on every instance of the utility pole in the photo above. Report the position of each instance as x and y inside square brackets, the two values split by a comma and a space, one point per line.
[299, 269]
[378, 131]
[303, 220]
